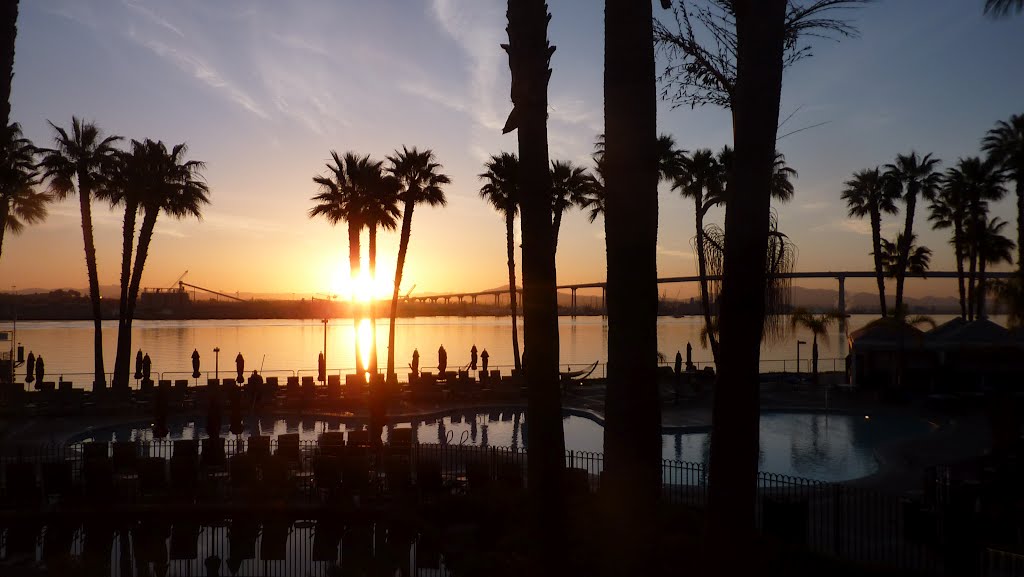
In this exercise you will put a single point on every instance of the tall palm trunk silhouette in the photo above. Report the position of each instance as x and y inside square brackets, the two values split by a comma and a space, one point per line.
[529, 56]
[8, 35]
[501, 190]
[420, 182]
[80, 157]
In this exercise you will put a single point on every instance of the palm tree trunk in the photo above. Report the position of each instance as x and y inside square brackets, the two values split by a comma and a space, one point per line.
[980, 294]
[876, 248]
[632, 435]
[734, 439]
[403, 247]
[510, 246]
[85, 204]
[901, 265]
[702, 272]
[1020, 218]
[556, 226]
[373, 301]
[122, 361]
[8, 34]
[3, 227]
[354, 228]
[972, 258]
[528, 60]
[141, 253]
[958, 250]
[814, 360]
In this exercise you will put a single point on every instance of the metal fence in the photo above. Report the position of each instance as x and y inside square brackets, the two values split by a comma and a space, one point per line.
[850, 523]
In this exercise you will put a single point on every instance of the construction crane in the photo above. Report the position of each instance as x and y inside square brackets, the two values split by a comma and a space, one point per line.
[182, 286]
[408, 294]
[175, 283]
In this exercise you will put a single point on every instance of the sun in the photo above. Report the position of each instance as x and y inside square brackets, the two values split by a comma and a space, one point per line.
[362, 288]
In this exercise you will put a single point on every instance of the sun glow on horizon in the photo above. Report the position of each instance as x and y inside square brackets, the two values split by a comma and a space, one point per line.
[362, 289]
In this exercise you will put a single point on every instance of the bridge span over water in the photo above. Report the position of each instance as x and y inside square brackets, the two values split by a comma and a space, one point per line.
[839, 276]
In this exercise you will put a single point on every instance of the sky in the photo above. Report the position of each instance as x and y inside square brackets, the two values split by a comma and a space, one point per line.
[263, 90]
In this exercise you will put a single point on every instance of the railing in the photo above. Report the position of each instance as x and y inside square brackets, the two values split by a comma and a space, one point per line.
[998, 563]
[851, 523]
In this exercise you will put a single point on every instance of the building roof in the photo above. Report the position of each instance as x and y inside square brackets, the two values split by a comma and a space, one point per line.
[885, 333]
[978, 333]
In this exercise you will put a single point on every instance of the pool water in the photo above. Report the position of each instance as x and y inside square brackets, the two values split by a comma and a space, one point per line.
[822, 446]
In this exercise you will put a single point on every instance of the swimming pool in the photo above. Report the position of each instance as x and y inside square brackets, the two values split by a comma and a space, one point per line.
[822, 446]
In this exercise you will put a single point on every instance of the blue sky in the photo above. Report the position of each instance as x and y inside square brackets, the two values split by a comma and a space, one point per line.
[263, 90]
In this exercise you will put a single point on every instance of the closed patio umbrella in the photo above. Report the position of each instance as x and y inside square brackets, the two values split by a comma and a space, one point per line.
[40, 371]
[147, 365]
[195, 364]
[240, 367]
[138, 365]
[30, 366]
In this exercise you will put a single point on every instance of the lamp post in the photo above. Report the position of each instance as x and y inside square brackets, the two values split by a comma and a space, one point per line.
[216, 363]
[324, 321]
[798, 343]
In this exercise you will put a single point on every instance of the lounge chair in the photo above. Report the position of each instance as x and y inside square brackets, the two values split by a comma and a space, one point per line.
[327, 474]
[292, 385]
[125, 455]
[359, 438]
[288, 448]
[95, 450]
[332, 443]
[152, 475]
[400, 438]
[21, 484]
[308, 386]
[213, 455]
[274, 477]
[57, 542]
[57, 478]
[326, 537]
[184, 536]
[274, 541]
[242, 469]
[355, 474]
[259, 447]
[397, 474]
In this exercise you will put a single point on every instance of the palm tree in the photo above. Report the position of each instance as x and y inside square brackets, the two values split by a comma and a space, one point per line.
[702, 178]
[378, 207]
[949, 211]
[338, 202]
[633, 164]
[421, 182]
[1001, 8]
[20, 203]
[529, 56]
[501, 190]
[912, 176]
[171, 185]
[918, 260]
[993, 248]
[81, 157]
[781, 185]
[8, 34]
[866, 195]
[819, 326]
[122, 185]
[570, 186]
[1005, 145]
[1010, 293]
[976, 182]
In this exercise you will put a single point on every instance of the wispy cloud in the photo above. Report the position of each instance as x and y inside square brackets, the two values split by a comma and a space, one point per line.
[674, 252]
[816, 205]
[204, 72]
[478, 27]
[153, 17]
[240, 223]
[855, 226]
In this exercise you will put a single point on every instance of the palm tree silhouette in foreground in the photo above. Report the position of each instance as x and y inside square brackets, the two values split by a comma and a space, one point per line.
[818, 325]
[1002, 8]
[1005, 145]
[338, 202]
[571, 185]
[918, 259]
[501, 190]
[867, 195]
[993, 248]
[20, 202]
[166, 184]
[702, 178]
[80, 157]
[949, 211]
[913, 176]
[378, 208]
[421, 182]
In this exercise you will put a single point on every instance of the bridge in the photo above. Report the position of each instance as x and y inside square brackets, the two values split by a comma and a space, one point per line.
[840, 277]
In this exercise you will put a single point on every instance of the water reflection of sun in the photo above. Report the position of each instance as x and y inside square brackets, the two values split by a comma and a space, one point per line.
[365, 336]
